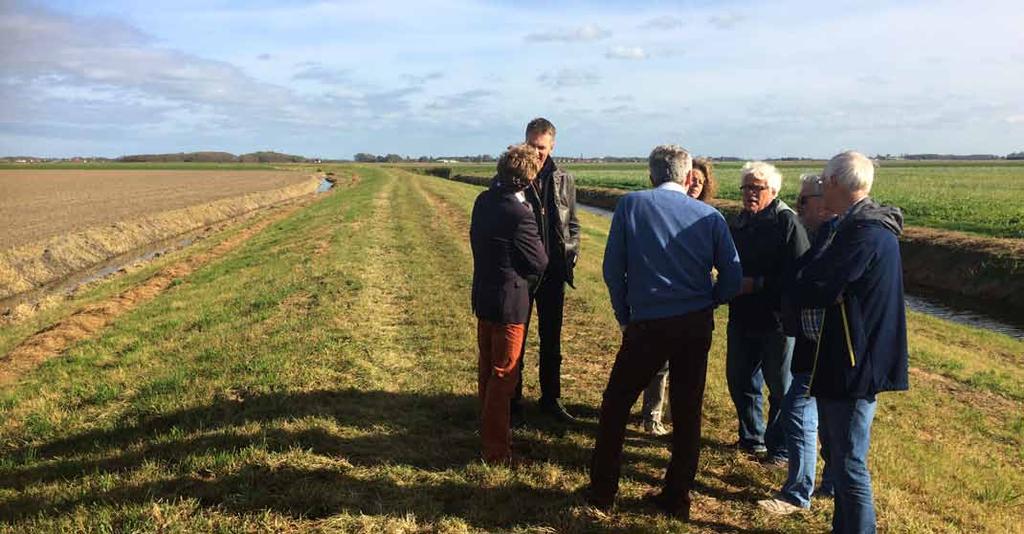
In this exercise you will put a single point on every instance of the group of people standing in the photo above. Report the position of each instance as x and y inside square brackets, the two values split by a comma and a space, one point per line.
[816, 314]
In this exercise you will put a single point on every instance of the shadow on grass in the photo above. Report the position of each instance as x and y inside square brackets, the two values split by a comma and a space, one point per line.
[382, 453]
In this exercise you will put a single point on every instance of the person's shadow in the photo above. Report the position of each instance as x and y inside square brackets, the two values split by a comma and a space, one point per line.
[329, 453]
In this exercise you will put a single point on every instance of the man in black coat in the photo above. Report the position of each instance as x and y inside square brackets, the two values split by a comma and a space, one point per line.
[553, 197]
[769, 239]
[508, 260]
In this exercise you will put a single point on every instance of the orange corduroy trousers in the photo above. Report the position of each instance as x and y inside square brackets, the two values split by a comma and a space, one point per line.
[497, 375]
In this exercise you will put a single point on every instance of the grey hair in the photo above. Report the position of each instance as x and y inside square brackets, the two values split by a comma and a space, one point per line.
[669, 163]
[763, 171]
[812, 182]
[851, 170]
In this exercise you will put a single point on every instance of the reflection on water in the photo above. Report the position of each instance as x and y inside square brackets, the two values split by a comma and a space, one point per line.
[325, 186]
[930, 305]
[976, 319]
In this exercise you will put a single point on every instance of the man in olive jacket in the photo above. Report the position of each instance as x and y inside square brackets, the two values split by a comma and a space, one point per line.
[553, 197]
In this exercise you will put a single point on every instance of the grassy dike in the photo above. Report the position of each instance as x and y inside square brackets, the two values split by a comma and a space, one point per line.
[322, 377]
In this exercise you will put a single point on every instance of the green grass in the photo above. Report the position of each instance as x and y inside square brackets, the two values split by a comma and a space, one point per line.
[322, 378]
[980, 197]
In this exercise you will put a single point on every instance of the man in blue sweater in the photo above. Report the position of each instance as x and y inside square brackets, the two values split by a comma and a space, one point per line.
[661, 248]
[851, 297]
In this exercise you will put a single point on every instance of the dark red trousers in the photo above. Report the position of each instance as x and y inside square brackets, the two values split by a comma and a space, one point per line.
[497, 375]
[684, 341]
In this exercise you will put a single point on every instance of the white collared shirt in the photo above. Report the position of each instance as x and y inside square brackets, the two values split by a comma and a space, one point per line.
[521, 195]
[673, 186]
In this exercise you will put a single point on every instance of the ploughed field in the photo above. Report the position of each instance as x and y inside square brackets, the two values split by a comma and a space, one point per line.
[320, 376]
[980, 197]
[37, 204]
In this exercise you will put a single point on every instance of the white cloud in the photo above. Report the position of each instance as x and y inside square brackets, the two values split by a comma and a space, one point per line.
[726, 21]
[316, 72]
[569, 77]
[588, 32]
[626, 52]
[663, 22]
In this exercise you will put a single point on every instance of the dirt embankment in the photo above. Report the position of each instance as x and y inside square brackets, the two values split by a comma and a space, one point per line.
[986, 269]
[32, 265]
[53, 340]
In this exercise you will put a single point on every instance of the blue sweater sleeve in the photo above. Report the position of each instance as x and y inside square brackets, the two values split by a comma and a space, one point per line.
[727, 261]
[615, 264]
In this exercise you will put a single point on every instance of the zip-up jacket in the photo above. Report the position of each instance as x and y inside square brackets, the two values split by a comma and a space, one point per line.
[861, 348]
[555, 190]
[769, 242]
[803, 351]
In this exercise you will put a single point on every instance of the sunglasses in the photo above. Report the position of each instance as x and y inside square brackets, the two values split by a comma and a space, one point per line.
[802, 199]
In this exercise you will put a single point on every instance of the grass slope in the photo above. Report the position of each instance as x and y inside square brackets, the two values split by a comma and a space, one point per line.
[322, 378]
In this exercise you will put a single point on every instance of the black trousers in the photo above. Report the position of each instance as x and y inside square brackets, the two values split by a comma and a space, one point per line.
[550, 301]
[684, 341]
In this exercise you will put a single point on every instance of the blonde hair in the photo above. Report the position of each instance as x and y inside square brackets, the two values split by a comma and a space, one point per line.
[763, 171]
[852, 170]
[518, 166]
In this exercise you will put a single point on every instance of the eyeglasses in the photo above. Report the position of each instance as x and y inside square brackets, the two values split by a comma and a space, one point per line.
[753, 188]
[802, 199]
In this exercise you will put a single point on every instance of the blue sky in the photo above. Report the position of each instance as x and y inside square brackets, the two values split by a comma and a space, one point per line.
[331, 79]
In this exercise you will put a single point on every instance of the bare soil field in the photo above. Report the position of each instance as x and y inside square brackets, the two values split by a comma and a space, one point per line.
[36, 204]
[56, 223]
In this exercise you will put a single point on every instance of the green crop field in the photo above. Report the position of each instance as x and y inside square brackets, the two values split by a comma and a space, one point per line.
[321, 378]
[985, 198]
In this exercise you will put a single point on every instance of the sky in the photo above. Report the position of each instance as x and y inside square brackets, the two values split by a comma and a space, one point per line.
[330, 79]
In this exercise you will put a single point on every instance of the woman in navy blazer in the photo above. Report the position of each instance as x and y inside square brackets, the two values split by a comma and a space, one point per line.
[508, 260]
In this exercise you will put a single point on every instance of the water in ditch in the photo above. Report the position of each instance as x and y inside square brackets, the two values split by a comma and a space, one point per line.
[930, 304]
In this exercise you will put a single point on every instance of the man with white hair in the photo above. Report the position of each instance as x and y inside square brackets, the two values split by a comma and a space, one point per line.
[769, 239]
[851, 294]
[661, 248]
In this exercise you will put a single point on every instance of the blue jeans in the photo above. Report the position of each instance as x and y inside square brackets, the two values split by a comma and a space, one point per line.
[847, 424]
[750, 362]
[800, 425]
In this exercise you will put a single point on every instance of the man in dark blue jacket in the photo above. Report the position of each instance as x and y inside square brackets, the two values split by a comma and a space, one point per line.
[851, 295]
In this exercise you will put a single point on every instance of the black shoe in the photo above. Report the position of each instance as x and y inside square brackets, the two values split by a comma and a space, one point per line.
[668, 506]
[602, 504]
[517, 419]
[757, 450]
[557, 411]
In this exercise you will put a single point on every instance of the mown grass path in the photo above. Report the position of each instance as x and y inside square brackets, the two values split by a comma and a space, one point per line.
[322, 378]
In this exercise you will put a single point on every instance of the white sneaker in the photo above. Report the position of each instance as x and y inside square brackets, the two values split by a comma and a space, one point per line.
[655, 428]
[778, 506]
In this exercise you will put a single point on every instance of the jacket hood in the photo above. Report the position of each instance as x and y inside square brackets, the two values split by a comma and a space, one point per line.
[871, 212]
